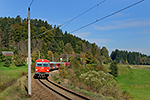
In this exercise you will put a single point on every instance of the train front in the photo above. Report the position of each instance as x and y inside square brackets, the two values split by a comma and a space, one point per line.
[42, 68]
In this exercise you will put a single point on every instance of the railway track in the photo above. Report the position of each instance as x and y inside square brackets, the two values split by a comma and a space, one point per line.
[62, 92]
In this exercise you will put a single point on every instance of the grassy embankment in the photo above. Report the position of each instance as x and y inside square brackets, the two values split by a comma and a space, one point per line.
[11, 85]
[135, 81]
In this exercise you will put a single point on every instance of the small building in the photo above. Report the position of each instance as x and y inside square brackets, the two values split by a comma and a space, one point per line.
[8, 53]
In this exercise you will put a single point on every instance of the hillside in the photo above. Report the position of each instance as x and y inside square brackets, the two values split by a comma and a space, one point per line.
[14, 34]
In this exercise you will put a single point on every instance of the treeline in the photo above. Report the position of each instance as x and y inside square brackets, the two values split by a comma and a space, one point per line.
[126, 57]
[14, 34]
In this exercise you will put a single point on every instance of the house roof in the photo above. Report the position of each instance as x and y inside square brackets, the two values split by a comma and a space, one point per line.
[7, 53]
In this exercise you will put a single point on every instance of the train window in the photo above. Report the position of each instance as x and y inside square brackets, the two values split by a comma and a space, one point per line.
[39, 65]
[45, 65]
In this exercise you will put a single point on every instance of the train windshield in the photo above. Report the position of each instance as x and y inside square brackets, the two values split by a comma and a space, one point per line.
[45, 65]
[40, 64]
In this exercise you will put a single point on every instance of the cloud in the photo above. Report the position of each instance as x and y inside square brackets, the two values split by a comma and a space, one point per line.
[99, 42]
[130, 23]
[146, 31]
[83, 34]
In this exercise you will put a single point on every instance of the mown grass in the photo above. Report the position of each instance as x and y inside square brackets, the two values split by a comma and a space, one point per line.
[135, 81]
[9, 75]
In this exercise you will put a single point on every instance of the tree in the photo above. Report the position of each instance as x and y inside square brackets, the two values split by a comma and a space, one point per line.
[49, 55]
[1, 56]
[68, 49]
[56, 57]
[105, 53]
[114, 68]
[47, 37]
[19, 61]
[34, 55]
[89, 57]
[78, 48]
[61, 47]
[54, 46]
[94, 49]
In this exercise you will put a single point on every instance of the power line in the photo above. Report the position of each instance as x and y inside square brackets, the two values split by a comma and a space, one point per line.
[67, 22]
[46, 32]
[107, 16]
[31, 3]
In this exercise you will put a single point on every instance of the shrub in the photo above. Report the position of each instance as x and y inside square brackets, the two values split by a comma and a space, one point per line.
[74, 63]
[32, 67]
[101, 82]
[62, 71]
[7, 63]
[19, 60]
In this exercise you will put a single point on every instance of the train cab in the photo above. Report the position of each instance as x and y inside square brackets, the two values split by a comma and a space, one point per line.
[42, 68]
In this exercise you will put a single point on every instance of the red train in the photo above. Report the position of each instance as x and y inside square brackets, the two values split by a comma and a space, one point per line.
[43, 66]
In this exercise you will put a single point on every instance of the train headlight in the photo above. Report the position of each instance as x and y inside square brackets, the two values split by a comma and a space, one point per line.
[47, 70]
[36, 69]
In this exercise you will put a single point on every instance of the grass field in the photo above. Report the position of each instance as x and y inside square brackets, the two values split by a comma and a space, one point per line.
[9, 75]
[135, 81]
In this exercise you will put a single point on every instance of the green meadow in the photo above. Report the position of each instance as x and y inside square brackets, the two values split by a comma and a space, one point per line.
[135, 81]
[9, 76]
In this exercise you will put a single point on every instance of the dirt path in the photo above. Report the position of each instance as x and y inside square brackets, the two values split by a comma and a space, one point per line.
[139, 66]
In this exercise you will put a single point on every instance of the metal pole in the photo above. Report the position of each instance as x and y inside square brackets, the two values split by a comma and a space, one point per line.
[39, 54]
[29, 54]
[52, 58]
[67, 58]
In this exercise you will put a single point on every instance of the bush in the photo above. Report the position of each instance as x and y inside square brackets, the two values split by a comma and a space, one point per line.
[101, 82]
[114, 68]
[19, 61]
[62, 71]
[7, 63]
[33, 67]
[74, 63]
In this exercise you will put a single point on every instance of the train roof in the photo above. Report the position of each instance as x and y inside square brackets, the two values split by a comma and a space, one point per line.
[55, 62]
[42, 60]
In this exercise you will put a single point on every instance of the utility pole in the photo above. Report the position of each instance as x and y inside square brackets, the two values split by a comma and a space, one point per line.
[29, 54]
[67, 58]
[39, 54]
[52, 58]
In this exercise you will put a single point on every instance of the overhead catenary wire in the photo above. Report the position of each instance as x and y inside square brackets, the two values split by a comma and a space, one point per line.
[107, 16]
[67, 22]
[31, 3]
[47, 31]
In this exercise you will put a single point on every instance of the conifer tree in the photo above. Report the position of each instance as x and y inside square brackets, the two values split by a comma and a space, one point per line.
[114, 68]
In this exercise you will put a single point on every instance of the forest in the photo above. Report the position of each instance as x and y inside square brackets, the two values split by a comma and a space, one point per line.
[14, 34]
[126, 57]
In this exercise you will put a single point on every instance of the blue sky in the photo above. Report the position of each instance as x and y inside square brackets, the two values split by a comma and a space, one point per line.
[128, 30]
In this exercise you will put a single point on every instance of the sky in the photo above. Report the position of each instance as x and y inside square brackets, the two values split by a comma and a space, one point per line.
[127, 30]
